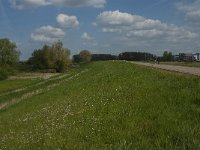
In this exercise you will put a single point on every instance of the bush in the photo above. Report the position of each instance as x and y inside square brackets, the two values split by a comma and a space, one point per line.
[3, 74]
[85, 56]
[6, 71]
[50, 57]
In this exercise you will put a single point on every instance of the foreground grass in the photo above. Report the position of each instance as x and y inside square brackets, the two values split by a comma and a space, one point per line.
[115, 105]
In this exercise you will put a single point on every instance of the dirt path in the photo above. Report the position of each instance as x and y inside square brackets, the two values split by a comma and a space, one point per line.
[33, 76]
[181, 69]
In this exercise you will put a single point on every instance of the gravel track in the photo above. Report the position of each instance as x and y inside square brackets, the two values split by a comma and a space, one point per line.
[180, 69]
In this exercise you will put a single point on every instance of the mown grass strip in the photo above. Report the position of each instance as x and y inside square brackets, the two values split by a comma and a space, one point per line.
[34, 84]
[32, 92]
[7, 86]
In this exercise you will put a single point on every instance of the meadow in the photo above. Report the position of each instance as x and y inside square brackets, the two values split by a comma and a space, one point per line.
[105, 105]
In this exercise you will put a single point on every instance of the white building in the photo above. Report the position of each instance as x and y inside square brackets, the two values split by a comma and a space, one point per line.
[196, 57]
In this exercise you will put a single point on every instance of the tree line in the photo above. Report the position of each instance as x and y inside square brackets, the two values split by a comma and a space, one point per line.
[56, 58]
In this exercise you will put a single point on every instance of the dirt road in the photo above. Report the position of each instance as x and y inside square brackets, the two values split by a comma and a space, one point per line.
[181, 69]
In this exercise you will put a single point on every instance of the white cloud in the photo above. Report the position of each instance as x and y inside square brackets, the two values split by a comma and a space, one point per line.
[134, 32]
[66, 21]
[192, 10]
[22, 4]
[145, 33]
[94, 24]
[138, 26]
[117, 18]
[47, 34]
[86, 37]
[88, 40]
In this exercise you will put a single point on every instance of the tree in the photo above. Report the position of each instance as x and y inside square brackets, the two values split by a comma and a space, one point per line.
[85, 56]
[38, 60]
[167, 56]
[8, 53]
[51, 57]
[58, 57]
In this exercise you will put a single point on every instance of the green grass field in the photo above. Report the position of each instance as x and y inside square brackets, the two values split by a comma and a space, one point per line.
[107, 105]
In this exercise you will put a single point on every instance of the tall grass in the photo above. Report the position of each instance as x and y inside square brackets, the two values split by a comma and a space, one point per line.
[115, 105]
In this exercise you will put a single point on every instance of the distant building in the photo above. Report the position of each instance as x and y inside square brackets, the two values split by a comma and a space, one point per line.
[76, 58]
[197, 57]
[99, 57]
[186, 57]
[176, 58]
[96, 57]
[136, 56]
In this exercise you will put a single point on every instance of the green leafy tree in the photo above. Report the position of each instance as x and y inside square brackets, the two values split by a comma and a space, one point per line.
[38, 60]
[85, 56]
[51, 57]
[58, 57]
[8, 53]
[167, 56]
[9, 58]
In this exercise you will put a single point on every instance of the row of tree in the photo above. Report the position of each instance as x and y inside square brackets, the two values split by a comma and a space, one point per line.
[54, 58]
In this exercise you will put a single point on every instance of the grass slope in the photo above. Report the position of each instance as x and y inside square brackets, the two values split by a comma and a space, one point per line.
[114, 105]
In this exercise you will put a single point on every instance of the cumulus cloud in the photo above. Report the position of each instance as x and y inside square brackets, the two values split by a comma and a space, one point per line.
[47, 34]
[191, 10]
[66, 21]
[138, 26]
[88, 40]
[86, 37]
[94, 24]
[117, 18]
[145, 33]
[22, 4]
[132, 31]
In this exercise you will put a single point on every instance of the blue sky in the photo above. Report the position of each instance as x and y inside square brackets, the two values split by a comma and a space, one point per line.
[102, 26]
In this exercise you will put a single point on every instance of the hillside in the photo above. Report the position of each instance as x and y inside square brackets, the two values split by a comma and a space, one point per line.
[105, 105]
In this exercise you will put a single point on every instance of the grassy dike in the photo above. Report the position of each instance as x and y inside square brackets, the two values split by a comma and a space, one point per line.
[113, 105]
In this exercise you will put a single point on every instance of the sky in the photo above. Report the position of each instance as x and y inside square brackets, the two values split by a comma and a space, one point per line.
[102, 26]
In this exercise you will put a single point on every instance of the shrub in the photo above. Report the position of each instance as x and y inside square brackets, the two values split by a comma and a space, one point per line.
[85, 56]
[3, 74]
